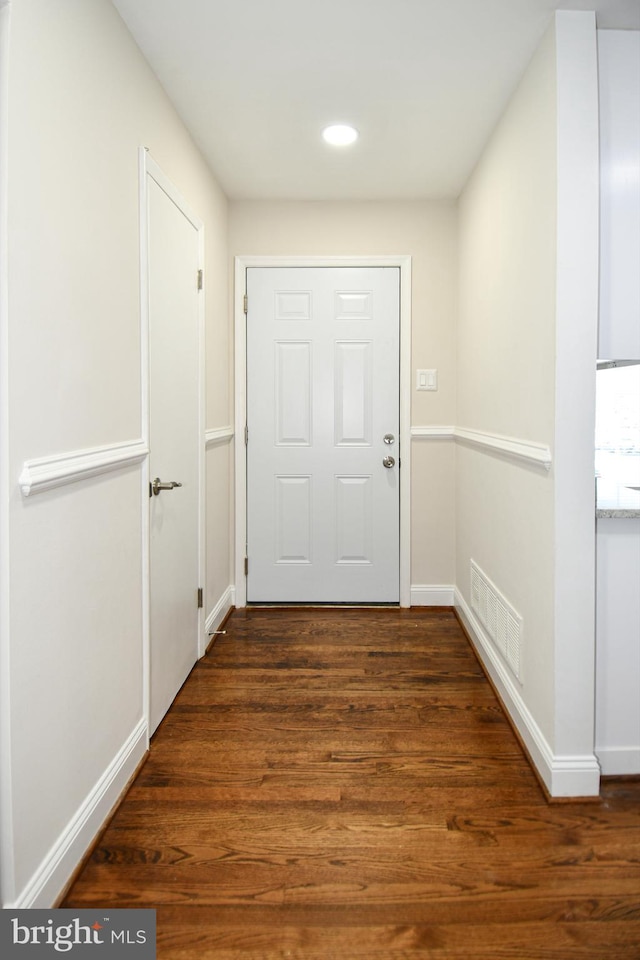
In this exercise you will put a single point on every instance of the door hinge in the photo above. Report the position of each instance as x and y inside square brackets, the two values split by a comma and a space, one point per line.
[200, 279]
[245, 304]
[200, 598]
[246, 566]
[246, 434]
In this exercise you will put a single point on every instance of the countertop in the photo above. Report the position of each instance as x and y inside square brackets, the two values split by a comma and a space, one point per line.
[614, 500]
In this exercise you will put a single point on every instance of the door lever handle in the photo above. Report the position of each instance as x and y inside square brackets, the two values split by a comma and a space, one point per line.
[157, 485]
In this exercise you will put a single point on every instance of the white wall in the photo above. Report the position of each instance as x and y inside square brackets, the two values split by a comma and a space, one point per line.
[427, 232]
[575, 356]
[81, 102]
[526, 352]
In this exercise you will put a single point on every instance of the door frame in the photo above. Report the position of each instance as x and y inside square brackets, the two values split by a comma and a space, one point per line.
[7, 866]
[242, 263]
[149, 168]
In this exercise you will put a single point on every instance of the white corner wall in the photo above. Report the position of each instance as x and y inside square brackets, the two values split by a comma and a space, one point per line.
[526, 371]
[575, 393]
[81, 101]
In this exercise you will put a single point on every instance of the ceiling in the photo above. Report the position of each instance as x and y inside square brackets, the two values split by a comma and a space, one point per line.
[424, 82]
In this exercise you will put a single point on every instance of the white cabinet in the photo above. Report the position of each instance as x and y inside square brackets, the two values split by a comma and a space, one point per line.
[618, 646]
[619, 85]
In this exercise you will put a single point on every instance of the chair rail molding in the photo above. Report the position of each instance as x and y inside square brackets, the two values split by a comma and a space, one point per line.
[536, 454]
[433, 433]
[218, 435]
[45, 473]
[515, 449]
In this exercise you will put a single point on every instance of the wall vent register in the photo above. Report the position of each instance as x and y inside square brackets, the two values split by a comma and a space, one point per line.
[502, 623]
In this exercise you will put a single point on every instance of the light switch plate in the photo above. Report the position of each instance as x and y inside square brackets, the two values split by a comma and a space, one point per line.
[426, 380]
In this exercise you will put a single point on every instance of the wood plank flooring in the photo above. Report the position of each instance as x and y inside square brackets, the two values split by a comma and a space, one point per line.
[341, 784]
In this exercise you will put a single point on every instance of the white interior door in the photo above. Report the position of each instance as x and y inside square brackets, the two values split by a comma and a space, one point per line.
[174, 443]
[323, 490]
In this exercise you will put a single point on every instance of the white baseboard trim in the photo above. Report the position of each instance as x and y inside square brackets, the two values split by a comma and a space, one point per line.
[56, 869]
[563, 776]
[45, 473]
[619, 761]
[432, 595]
[219, 612]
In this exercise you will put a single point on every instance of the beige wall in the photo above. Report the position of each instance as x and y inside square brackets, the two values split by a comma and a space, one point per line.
[507, 267]
[506, 341]
[427, 232]
[81, 102]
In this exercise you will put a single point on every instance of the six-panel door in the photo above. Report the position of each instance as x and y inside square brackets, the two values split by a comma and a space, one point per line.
[323, 418]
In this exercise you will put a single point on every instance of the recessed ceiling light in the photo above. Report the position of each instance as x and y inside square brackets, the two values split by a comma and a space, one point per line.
[340, 135]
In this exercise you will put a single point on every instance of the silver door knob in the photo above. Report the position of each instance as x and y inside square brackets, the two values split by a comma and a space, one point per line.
[388, 438]
[157, 485]
[388, 462]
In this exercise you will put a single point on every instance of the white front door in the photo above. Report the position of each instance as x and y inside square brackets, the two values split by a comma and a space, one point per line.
[174, 441]
[323, 489]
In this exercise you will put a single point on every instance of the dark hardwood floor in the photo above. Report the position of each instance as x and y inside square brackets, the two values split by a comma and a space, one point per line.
[341, 784]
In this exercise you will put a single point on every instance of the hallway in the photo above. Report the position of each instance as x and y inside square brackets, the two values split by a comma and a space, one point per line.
[342, 783]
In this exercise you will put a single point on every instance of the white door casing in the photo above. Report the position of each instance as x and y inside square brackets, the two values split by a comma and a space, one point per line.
[172, 252]
[342, 466]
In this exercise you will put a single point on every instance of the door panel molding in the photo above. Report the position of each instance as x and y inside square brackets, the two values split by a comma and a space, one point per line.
[242, 263]
[149, 169]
